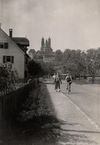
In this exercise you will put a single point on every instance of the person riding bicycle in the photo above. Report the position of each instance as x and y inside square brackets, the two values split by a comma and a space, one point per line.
[69, 82]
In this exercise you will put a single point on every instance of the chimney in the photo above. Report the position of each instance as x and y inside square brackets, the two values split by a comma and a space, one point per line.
[10, 32]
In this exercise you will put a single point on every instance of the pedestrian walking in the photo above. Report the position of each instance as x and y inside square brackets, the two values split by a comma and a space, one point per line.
[54, 76]
[57, 82]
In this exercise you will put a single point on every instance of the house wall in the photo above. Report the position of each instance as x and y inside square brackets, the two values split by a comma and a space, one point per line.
[12, 50]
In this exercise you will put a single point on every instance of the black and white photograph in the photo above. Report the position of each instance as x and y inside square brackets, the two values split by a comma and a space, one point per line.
[49, 72]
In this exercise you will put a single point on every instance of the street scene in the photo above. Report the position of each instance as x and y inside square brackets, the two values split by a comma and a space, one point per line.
[49, 72]
[70, 118]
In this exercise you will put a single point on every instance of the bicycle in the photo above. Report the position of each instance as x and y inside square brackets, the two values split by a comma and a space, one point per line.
[68, 87]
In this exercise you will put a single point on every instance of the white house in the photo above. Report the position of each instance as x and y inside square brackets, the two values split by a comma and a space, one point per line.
[13, 50]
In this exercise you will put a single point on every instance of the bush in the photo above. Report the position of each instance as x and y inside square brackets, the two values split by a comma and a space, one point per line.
[8, 78]
[34, 69]
[4, 75]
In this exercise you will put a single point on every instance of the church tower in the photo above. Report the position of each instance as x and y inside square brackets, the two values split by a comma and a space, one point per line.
[46, 45]
[49, 42]
[46, 51]
[42, 44]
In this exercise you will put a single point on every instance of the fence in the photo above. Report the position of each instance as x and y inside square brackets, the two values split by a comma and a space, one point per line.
[12, 103]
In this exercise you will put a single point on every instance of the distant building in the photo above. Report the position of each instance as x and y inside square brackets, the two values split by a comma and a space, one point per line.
[13, 51]
[46, 46]
[45, 54]
[47, 51]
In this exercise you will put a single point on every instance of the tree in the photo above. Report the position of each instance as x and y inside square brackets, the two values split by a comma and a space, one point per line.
[91, 63]
[58, 56]
[97, 59]
[32, 53]
[4, 75]
[48, 68]
[34, 69]
[66, 55]
[73, 61]
[7, 79]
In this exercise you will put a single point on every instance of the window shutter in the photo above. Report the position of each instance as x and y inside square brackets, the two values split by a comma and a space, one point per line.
[4, 59]
[12, 59]
[1, 44]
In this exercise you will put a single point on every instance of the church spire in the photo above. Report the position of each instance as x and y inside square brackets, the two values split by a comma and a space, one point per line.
[49, 42]
[46, 43]
[42, 44]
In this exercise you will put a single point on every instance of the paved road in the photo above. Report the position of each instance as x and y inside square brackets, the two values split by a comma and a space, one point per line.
[87, 98]
[78, 126]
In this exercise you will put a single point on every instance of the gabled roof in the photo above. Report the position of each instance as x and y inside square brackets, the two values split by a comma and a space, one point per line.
[9, 38]
[27, 55]
[21, 41]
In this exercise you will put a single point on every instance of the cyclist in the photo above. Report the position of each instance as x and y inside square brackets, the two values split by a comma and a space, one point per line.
[69, 82]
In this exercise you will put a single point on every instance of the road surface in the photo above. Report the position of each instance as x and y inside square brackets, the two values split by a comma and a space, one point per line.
[76, 128]
[87, 98]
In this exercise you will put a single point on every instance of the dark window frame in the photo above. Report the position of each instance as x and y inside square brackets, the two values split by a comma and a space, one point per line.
[1, 45]
[8, 59]
[4, 45]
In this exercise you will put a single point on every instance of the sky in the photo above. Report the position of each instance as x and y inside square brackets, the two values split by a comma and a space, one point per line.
[73, 24]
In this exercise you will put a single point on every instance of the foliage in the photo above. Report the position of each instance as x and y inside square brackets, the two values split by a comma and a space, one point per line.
[4, 76]
[34, 69]
[79, 63]
[32, 53]
[48, 68]
[58, 56]
[8, 78]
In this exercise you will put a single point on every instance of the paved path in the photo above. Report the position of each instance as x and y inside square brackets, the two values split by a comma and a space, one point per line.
[76, 127]
[87, 97]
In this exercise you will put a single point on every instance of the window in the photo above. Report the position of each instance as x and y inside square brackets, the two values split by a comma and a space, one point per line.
[1, 45]
[8, 59]
[4, 45]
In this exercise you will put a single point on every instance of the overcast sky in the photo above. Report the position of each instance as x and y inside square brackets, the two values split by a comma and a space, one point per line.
[73, 24]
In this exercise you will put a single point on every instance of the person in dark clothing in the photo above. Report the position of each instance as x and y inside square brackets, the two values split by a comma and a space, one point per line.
[57, 82]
